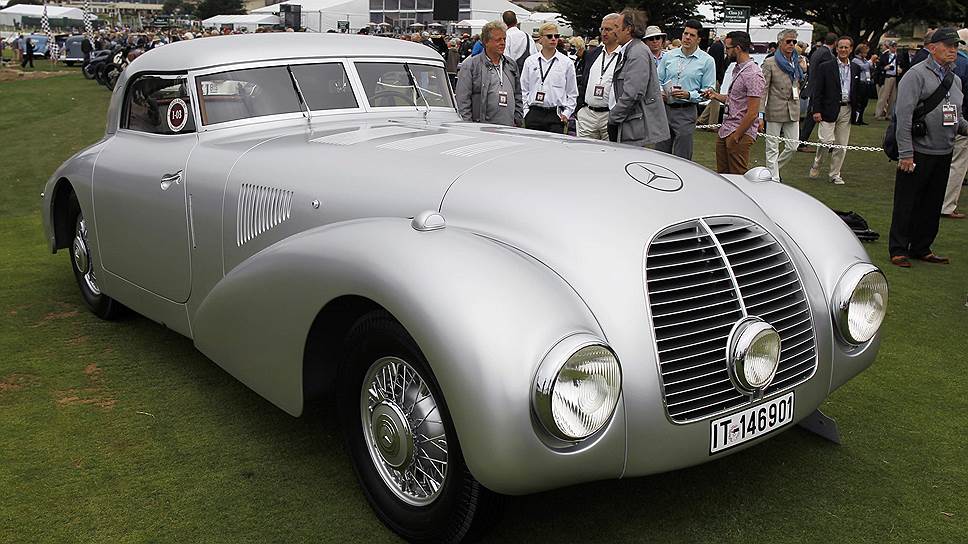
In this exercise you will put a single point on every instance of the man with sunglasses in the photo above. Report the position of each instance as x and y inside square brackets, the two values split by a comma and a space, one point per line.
[548, 85]
[655, 39]
[595, 88]
[683, 74]
[784, 73]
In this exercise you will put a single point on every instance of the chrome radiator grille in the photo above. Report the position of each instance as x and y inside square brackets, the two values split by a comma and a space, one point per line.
[704, 275]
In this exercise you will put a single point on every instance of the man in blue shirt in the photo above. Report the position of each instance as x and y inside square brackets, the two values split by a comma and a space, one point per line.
[684, 73]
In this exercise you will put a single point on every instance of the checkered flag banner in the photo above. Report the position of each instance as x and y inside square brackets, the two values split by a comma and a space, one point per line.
[51, 43]
[88, 29]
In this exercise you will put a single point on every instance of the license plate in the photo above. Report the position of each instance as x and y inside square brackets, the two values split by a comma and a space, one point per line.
[735, 429]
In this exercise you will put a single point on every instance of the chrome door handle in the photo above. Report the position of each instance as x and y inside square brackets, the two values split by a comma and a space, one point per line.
[168, 179]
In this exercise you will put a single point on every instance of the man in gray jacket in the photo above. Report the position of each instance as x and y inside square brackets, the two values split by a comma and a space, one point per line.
[638, 116]
[924, 160]
[488, 85]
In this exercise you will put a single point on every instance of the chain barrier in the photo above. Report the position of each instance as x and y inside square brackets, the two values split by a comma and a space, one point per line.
[815, 144]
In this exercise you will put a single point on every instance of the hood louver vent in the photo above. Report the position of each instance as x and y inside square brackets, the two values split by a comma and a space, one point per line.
[260, 209]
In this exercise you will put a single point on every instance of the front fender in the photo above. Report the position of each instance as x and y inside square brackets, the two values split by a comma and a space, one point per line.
[483, 314]
[830, 248]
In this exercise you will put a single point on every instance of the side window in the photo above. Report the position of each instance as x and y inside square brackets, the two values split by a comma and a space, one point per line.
[241, 94]
[325, 86]
[158, 105]
[387, 84]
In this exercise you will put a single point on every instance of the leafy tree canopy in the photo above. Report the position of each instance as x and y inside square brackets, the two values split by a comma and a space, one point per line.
[211, 8]
[586, 15]
[863, 21]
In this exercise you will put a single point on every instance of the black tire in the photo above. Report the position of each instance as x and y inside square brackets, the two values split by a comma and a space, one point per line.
[463, 508]
[69, 62]
[100, 304]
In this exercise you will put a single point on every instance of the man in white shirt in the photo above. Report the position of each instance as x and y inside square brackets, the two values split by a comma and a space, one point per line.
[519, 46]
[549, 87]
[596, 88]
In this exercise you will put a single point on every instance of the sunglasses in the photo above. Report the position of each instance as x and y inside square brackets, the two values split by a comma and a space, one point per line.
[552, 36]
[789, 41]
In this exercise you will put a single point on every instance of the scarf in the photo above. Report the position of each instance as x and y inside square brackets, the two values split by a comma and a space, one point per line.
[791, 68]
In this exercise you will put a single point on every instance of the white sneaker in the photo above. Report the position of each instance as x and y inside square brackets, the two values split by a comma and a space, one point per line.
[837, 181]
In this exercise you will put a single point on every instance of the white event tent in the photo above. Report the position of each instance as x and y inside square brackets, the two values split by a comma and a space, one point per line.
[248, 23]
[15, 14]
[760, 31]
[323, 15]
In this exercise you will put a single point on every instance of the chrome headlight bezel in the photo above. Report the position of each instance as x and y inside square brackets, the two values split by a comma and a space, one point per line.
[546, 376]
[745, 334]
[843, 296]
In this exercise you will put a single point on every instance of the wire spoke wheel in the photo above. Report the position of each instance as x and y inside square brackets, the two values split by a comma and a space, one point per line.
[82, 256]
[404, 431]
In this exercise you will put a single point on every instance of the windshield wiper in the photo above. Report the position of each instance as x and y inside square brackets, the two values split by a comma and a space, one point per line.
[416, 89]
[302, 97]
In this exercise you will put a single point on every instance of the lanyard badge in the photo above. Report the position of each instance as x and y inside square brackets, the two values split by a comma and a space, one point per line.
[949, 115]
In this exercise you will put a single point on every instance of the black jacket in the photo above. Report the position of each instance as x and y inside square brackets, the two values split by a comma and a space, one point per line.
[718, 52]
[826, 91]
[819, 56]
[590, 57]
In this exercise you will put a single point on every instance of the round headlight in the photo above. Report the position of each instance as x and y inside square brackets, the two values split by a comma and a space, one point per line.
[860, 303]
[575, 399]
[754, 354]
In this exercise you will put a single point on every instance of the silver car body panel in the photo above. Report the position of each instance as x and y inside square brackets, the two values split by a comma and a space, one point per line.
[546, 237]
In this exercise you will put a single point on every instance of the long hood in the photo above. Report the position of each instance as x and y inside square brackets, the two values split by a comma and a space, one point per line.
[569, 201]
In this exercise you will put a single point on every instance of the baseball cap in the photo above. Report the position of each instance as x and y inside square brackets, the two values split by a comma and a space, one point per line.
[947, 35]
[653, 31]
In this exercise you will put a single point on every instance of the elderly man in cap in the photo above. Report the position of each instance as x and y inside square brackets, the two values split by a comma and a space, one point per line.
[925, 155]
[959, 160]
[655, 39]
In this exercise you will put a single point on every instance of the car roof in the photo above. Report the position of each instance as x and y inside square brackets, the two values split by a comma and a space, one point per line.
[238, 48]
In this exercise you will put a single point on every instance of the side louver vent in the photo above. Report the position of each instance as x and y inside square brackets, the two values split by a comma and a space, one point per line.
[260, 209]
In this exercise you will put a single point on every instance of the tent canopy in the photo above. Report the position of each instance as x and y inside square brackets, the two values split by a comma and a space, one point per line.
[242, 20]
[323, 15]
[15, 14]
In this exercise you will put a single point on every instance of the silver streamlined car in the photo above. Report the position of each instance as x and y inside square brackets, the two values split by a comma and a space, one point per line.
[496, 310]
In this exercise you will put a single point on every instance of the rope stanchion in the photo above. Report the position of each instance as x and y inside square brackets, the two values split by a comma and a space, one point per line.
[815, 144]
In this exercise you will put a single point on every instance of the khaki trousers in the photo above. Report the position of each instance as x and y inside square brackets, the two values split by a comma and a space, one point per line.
[956, 176]
[775, 160]
[886, 95]
[710, 115]
[591, 124]
[834, 133]
[733, 158]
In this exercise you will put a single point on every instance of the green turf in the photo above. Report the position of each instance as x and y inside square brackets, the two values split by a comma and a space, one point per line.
[122, 432]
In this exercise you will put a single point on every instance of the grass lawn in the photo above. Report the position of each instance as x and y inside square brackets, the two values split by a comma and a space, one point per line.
[122, 432]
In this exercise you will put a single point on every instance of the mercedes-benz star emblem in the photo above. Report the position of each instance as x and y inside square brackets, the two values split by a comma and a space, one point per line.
[654, 176]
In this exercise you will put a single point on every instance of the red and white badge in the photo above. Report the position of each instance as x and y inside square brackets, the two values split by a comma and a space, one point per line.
[177, 115]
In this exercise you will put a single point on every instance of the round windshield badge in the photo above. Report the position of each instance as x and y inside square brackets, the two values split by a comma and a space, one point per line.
[177, 115]
[654, 176]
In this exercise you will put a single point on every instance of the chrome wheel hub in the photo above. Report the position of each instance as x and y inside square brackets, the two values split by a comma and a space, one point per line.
[82, 256]
[403, 430]
[392, 435]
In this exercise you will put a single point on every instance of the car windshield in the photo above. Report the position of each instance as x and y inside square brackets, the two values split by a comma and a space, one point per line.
[387, 84]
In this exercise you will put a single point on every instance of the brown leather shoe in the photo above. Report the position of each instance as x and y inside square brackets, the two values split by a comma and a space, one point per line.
[954, 215]
[932, 258]
[900, 260]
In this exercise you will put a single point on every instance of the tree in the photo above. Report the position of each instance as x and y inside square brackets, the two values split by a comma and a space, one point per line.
[586, 15]
[863, 21]
[211, 8]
